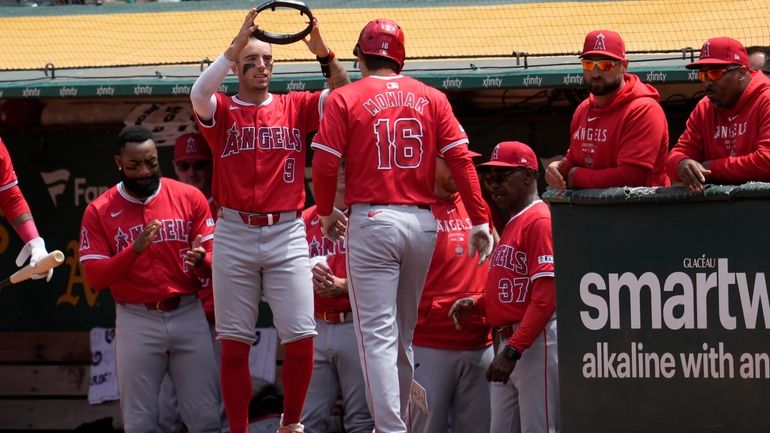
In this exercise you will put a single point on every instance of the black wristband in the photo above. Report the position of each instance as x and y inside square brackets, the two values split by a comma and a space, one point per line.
[511, 353]
[325, 61]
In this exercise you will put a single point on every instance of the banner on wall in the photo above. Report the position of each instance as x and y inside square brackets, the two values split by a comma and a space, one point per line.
[663, 310]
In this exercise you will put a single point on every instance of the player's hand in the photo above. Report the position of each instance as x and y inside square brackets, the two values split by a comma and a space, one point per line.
[34, 250]
[553, 176]
[315, 42]
[244, 34]
[480, 241]
[500, 369]
[194, 256]
[146, 237]
[325, 283]
[461, 309]
[571, 177]
[693, 174]
[333, 225]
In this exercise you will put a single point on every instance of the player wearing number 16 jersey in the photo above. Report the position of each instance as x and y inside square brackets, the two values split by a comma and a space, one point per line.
[390, 129]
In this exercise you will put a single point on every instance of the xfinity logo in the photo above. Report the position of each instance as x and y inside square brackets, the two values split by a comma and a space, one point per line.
[68, 91]
[143, 90]
[105, 91]
[532, 81]
[656, 77]
[452, 82]
[180, 90]
[295, 85]
[492, 82]
[570, 79]
[30, 92]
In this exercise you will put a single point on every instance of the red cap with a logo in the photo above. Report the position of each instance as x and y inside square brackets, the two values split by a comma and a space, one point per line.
[191, 147]
[605, 43]
[512, 154]
[721, 51]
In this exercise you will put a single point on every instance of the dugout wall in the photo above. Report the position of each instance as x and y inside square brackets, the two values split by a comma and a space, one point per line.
[663, 309]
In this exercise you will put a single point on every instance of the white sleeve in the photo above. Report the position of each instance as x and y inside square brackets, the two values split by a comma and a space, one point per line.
[204, 102]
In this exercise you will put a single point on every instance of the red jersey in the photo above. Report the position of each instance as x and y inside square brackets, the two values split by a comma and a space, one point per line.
[259, 150]
[631, 129]
[113, 221]
[524, 254]
[390, 128]
[7, 174]
[335, 259]
[736, 141]
[452, 275]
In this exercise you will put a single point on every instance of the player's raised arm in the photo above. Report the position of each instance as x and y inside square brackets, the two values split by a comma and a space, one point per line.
[202, 96]
[335, 73]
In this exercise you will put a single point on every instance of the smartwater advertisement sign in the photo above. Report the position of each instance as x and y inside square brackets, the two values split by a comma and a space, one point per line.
[663, 312]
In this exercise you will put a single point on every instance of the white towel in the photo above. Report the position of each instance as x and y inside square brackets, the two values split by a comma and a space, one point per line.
[104, 377]
[262, 354]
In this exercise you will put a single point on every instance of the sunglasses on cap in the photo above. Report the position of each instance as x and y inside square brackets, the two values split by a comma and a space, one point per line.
[497, 177]
[716, 74]
[603, 65]
[197, 165]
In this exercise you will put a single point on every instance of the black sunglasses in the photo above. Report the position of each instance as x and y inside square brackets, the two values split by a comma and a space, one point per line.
[499, 177]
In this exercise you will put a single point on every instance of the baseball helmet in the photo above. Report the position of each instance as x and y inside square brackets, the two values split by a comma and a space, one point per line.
[383, 38]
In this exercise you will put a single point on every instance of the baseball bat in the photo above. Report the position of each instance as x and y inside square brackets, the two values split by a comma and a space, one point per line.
[52, 260]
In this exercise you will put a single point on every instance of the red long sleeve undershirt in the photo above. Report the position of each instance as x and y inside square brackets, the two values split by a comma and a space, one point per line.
[538, 313]
[467, 181]
[102, 273]
[325, 167]
[13, 204]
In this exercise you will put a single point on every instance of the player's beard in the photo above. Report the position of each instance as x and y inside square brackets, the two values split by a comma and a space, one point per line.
[601, 88]
[141, 190]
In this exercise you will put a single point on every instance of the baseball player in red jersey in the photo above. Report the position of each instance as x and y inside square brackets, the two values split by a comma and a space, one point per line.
[452, 362]
[16, 211]
[727, 138]
[257, 141]
[336, 366]
[192, 165]
[520, 299]
[390, 129]
[619, 135]
[145, 238]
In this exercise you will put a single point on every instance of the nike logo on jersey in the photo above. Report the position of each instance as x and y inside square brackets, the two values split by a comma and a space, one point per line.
[591, 119]
[314, 222]
[372, 213]
[116, 213]
[731, 118]
[233, 107]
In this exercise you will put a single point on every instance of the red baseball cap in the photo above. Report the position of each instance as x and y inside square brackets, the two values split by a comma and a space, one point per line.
[191, 147]
[721, 51]
[606, 43]
[512, 154]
